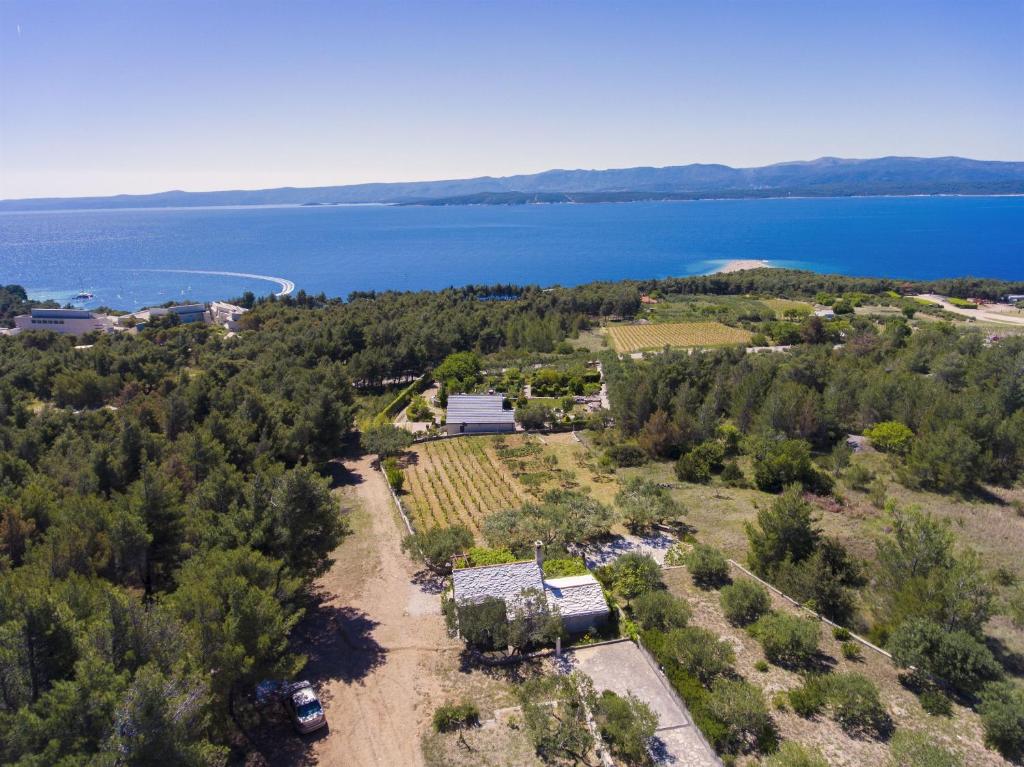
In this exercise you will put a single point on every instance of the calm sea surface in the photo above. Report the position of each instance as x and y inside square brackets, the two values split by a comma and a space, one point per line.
[116, 254]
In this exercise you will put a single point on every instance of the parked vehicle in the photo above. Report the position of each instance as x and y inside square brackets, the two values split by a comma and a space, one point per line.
[299, 700]
[304, 707]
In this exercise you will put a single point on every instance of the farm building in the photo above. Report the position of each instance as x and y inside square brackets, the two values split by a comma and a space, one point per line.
[478, 414]
[579, 598]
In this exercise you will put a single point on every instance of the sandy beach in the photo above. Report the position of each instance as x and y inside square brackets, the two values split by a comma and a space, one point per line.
[740, 264]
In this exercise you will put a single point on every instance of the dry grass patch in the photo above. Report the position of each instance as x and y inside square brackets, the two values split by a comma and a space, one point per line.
[781, 305]
[500, 738]
[633, 338]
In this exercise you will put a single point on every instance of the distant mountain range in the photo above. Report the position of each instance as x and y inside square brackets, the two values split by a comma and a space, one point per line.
[824, 177]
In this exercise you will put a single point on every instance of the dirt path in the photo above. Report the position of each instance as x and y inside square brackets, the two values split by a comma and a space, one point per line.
[376, 655]
[975, 314]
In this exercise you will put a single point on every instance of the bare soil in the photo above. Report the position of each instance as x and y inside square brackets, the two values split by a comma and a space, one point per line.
[374, 641]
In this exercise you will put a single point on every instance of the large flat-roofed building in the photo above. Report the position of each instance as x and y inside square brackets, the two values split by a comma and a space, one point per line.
[478, 414]
[75, 322]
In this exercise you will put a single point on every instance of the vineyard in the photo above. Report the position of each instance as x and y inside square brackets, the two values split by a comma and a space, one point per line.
[633, 338]
[461, 481]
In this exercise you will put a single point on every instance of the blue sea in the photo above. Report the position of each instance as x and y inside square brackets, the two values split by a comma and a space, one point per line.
[134, 258]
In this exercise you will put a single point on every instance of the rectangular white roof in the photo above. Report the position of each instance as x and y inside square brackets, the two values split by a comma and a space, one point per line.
[478, 408]
[577, 595]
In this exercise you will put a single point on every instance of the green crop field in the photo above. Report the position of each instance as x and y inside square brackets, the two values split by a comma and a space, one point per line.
[461, 481]
[633, 338]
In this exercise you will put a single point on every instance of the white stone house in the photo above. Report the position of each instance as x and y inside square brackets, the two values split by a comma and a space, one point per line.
[578, 598]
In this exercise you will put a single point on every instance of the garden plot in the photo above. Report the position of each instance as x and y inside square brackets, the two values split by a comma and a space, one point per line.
[633, 338]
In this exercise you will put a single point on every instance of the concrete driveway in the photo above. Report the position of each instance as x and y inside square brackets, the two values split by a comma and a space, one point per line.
[623, 668]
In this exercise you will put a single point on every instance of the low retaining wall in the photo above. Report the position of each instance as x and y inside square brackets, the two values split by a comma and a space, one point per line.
[396, 499]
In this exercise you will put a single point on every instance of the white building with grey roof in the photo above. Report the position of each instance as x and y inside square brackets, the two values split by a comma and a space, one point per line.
[478, 414]
[579, 598]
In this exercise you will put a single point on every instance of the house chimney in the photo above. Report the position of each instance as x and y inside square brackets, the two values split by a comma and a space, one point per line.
[538, 553]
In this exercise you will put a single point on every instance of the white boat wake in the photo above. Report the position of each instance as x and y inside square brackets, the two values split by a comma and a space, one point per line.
[287, 286]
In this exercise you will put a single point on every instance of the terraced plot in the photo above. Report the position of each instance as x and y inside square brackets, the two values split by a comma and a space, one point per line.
[633, 338]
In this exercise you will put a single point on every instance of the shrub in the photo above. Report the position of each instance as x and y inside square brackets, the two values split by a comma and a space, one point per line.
[732, 475]
[627, 455]
[782, 463]
[455, 716]
[840, 633]
[890, 437]
[792, 754]
[419, 410]
[480, 556]
[627, 724]
[634, 574]
[809, 699]
[955, 656]
[743, 602]
[741, 708]
[484, 625]
[858, 477]
[436, 547]
[534, 415]
[916, 749]
[762, 666]
[855, 704]
[660, 610]
[707, 566]
[851, 650]
[385, 440]
[1002, 716]
[395, 476]
[786, 639]
[676, 554]
[700, 653]
[693, 467]
[935, 702]
[565, 566]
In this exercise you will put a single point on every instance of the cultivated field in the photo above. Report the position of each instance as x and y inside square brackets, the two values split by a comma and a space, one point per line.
[462, 480]
[453, 481]
[633, 338]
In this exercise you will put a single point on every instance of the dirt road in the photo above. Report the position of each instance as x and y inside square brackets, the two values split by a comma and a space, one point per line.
[981, 314]
[374, 641]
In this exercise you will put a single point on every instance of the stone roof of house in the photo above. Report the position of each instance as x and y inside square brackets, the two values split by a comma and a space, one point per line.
[573, 595]
[474, 584]
[576, 595]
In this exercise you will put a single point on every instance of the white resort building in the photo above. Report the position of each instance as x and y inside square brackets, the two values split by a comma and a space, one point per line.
[75, 322]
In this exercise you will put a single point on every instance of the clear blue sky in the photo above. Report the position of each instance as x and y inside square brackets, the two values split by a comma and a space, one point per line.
[102, 97]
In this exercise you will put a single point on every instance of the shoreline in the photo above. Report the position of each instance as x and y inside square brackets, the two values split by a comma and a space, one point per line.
[4, 210]
[740, 265]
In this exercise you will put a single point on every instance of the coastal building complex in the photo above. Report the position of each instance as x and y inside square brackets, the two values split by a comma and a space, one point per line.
[78, 322]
